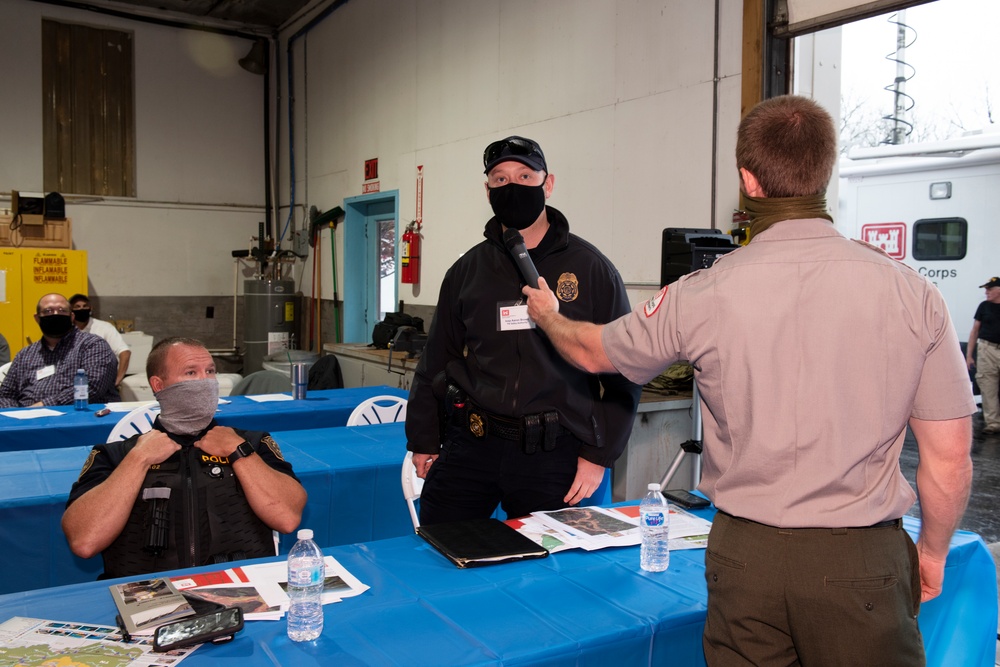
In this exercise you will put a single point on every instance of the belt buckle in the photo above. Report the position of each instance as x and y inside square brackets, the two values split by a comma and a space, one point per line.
[477, 424]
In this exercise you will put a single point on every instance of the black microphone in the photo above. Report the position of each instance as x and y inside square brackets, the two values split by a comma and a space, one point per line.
[515, 245]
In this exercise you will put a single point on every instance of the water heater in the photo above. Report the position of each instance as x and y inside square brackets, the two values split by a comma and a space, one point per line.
[269, 321]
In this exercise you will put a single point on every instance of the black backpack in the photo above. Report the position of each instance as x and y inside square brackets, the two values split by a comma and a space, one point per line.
[385, 331]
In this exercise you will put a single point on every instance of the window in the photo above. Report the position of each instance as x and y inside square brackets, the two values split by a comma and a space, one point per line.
[88, 137]
[940, 238]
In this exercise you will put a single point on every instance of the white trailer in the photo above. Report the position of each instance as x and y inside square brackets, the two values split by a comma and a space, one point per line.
[933, 206]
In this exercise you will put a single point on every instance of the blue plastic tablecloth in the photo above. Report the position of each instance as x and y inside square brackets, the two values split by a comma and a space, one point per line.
[72, 428]
[350, 473]
[572, 608]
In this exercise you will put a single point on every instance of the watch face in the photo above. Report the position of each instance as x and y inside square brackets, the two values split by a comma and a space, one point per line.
[244, 449]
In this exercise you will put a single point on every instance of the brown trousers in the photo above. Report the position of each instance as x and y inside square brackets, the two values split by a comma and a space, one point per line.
[811, 596]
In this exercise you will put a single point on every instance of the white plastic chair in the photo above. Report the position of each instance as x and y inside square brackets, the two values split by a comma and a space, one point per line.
[137, 421]
[412, 486]
[378, 410]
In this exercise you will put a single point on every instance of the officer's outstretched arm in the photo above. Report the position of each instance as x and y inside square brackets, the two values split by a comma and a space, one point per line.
[578, 342]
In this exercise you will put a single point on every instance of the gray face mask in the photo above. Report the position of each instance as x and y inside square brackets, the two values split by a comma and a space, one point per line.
[187, 407]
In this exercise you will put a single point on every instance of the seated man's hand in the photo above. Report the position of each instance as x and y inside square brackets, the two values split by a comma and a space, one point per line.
[154, 447]
[220, 441]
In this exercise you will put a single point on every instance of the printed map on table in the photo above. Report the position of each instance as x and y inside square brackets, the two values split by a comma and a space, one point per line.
[35, 642]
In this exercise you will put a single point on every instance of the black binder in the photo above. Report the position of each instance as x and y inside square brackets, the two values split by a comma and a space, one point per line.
[478, 542]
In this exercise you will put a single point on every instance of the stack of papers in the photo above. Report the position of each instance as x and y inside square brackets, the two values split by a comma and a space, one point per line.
[260, 590]
[593, 528]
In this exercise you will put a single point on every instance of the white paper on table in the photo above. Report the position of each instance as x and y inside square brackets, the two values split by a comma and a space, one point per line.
[592, 527]
[267, 398]
[682, 523]
[128, 406]
[34, 413]
[339, 582]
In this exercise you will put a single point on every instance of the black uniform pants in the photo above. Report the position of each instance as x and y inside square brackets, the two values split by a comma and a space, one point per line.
[472, 475]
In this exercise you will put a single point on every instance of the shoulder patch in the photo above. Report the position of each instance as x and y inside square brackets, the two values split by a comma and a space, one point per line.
[89, 462]
[651, 306]
[273, 446]
[568, 287]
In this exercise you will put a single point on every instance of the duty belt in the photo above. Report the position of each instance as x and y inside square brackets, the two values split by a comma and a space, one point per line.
[530, 430]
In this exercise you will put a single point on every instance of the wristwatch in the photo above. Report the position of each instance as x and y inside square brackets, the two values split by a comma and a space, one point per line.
[243, 450]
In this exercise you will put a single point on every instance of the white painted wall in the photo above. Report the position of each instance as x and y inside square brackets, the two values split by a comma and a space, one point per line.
[199, 155]
[619, 93]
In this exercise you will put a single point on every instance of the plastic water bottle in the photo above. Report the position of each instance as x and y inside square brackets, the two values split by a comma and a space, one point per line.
[81, 390]
[654, 523]
[306, 573]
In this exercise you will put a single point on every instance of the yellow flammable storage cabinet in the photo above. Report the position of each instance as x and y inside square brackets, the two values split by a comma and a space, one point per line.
[28, 274]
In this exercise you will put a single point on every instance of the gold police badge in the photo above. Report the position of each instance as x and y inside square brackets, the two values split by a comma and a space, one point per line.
[476, 425]
[568, 287]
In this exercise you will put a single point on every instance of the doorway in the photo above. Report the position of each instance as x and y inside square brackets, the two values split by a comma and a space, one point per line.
[371, 228]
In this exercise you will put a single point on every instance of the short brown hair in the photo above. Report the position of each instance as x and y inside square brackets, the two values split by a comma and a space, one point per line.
[157, 358]
[790, 144]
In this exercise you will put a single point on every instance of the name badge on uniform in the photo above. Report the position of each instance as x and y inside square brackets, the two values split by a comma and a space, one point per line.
[44, 372]
[513, 316]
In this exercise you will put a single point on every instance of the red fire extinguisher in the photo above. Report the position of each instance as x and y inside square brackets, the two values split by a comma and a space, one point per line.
[409, 255]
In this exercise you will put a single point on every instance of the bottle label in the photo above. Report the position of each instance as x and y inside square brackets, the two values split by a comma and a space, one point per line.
[653, 519]
[80, 392]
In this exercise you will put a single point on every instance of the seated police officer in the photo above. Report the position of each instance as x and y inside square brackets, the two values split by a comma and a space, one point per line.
[189, 492]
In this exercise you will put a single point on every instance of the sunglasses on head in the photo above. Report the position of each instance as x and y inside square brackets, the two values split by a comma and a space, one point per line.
[509, 147]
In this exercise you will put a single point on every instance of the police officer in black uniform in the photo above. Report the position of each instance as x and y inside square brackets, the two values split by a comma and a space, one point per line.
[495, 415]
[189, 492]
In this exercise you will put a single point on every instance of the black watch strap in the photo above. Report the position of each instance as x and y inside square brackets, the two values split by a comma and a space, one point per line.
[243, 450]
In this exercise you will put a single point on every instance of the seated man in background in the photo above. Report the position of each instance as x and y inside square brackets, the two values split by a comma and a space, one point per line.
[4, 350]
[189, 492]
[42, 373]
[84, 322]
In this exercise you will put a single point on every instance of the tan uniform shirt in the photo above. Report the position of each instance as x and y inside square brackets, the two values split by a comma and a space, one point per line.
[811, 352]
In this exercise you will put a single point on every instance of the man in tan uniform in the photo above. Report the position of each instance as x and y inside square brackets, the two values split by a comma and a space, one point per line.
[812, 353]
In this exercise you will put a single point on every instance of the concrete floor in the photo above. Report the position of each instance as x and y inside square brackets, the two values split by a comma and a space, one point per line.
[982, 515]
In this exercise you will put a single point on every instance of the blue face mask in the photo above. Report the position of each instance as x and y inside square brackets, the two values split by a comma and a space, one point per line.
[518, 206]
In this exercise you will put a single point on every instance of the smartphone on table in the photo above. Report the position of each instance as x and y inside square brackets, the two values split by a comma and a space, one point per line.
[685, 499]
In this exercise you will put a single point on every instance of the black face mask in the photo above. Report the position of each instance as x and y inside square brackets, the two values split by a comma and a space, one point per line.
[518, 206]
[55, 326]
[82, 315]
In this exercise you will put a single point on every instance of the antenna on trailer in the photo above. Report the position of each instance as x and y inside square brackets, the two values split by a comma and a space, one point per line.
[902, 103]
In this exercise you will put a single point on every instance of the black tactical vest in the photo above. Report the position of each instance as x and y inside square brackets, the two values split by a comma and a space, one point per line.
[207, 519]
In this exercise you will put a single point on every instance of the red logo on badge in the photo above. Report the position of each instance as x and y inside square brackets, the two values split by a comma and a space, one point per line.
[505, 312]
[650, 308]
[889, 236]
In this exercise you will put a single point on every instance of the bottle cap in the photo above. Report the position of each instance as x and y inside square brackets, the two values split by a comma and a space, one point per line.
[305, 534]
[653, 486]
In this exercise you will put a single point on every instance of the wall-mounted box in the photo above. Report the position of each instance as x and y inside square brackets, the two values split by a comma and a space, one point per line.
[50, 234]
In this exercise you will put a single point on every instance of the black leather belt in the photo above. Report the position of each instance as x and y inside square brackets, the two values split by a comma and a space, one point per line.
[888, 523]
[532, 431]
